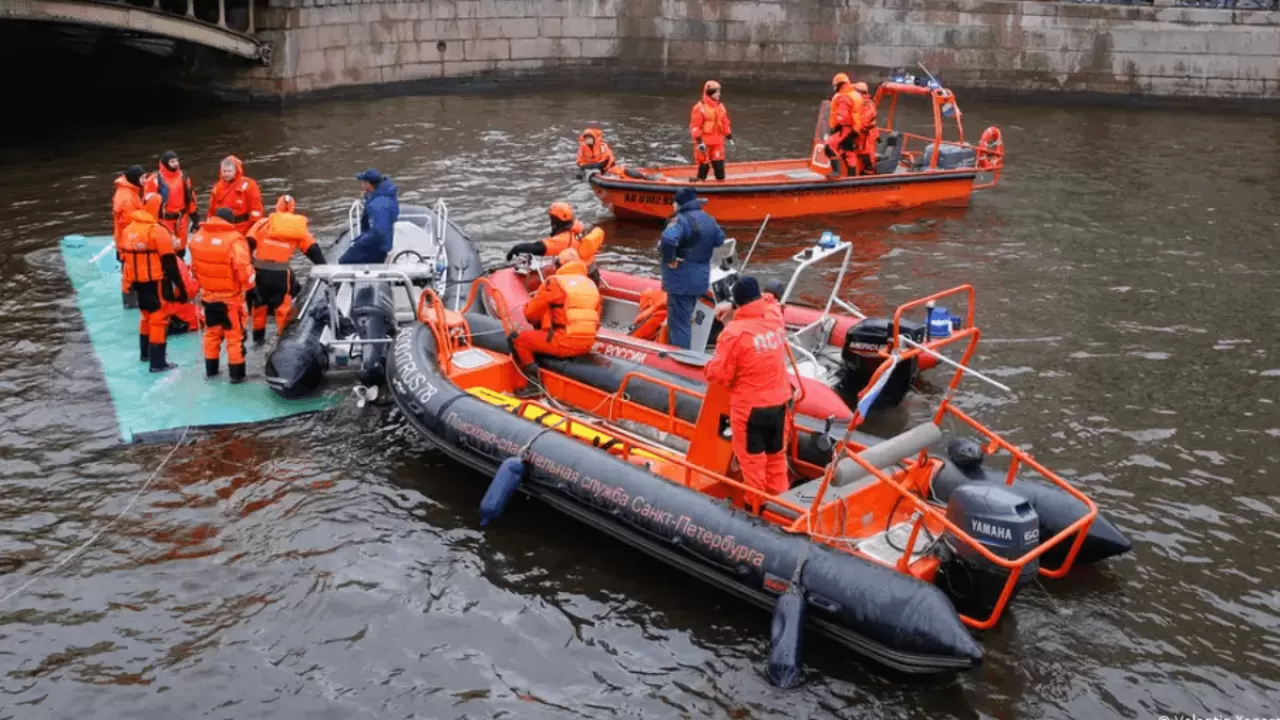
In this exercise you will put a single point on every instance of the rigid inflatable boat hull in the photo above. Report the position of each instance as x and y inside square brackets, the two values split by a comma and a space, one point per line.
[1057, 509]
[891, 618]
[296, 365]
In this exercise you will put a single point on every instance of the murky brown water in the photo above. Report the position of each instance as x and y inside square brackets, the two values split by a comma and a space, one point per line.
[1127, 276]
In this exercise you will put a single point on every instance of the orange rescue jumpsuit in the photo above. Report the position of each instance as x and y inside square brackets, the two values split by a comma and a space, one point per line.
[179, 201]
[567, 308]
[186, 317]
[150, 269]
[870, 135]
[275, 241]
[598, 155]
[709, 126]
[241, 196]
[127, 199]
[846, 125]
[751, 361]
[220, 259]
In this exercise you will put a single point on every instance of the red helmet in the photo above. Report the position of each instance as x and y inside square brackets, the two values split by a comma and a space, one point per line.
[285, 204]
[561, 211]
[839, 79]
[861, 87]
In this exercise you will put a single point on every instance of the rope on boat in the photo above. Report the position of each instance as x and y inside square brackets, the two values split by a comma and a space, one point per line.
[85, 546]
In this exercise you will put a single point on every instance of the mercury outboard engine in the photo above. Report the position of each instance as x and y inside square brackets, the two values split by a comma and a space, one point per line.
[373, 310]
[1007, 526]
[860, 360]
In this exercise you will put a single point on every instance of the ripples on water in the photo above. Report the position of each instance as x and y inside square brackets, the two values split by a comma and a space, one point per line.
[332, 567]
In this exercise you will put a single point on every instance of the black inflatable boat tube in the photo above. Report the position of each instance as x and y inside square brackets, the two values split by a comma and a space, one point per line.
[297, 363]
[891, 618]
[1057, 508]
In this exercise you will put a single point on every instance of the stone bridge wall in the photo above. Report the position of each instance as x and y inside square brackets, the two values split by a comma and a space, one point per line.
[1001, 45]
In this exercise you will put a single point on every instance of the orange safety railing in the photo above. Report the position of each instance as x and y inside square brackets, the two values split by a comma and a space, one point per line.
[629, 446]
[927, 511]
[672, 390]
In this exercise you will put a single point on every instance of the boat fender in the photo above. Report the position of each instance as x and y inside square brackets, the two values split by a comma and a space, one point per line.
[787, 633]
[505, 482]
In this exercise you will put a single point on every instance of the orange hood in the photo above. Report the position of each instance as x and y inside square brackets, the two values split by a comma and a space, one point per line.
[122, 182]
[234, 161]
[216, 224]
[594, 133]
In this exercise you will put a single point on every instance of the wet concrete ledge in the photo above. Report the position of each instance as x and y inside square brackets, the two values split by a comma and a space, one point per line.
[1056, 52]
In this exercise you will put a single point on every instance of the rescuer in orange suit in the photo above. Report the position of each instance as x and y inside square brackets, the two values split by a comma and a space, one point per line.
[567, 309]
[566, 234]
[127, 199]
[239, 193]
[870, 135]
[710, 128]
[220, 259]
[275, 239]
[593, 152]
[185, 317]
[845, 126]
[150, 268]
[751, 362]
[177, 199]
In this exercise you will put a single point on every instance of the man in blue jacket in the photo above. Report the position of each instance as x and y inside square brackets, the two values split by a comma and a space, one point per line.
[377, 224]
[687, 245]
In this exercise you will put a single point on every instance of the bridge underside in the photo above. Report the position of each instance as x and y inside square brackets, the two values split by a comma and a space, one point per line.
[139, 22]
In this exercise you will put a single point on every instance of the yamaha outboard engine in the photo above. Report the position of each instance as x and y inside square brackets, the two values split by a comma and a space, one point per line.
[1006, 525]
[297, 364]
[373, 310]
[860, 359]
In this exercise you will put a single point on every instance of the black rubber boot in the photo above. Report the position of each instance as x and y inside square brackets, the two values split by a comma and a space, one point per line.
[718, 166]
[144, 348]
[158, 363]
[836, 169]
[260, 336]
[130, 299]
[210, 367]
[702, 171]
[236, 372]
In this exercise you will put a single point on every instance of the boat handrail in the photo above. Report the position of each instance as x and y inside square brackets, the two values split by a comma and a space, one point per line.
[672, 390]
[805, 261]
[629, 446]
[892, 355]
[355, 214]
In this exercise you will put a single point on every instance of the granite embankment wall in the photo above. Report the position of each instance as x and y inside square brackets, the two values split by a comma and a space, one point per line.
[1002, 45]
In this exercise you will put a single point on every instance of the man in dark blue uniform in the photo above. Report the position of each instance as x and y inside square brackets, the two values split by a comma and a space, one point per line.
[687, 244]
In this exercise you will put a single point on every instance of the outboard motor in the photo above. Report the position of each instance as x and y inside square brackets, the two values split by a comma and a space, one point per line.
[860, 360]
[373, 310]
[297, 364]
[1006, 525]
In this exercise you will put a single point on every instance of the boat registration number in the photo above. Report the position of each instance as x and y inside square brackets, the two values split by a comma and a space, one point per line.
[646, 199]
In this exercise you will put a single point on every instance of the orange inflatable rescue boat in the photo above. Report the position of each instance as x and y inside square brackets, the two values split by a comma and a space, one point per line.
[912, 170]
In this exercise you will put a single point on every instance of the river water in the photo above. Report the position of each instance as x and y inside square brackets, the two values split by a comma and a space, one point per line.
[332, 566]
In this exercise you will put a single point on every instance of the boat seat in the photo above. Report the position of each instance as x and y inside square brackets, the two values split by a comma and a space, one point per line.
[888, 151]
[950, 157]
[850, 477]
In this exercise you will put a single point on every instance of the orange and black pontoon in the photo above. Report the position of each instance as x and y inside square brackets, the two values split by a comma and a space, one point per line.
[897, 552]
[912, 170]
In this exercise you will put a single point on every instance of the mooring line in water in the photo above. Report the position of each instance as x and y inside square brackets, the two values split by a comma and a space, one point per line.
[74, 553]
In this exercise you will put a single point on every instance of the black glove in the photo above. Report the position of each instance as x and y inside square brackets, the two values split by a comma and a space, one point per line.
[195, 224]
[315, 255]
[729, 136]
[510, 254]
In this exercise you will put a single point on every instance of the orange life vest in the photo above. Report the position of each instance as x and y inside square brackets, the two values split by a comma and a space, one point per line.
[868, 111]
[285, 233]
[709, 122]
[597, 153]
[653, 313]
[241, 196]
[220, 261]
[572, 239]
[179, 198]
[846, 109]
[127, 199]
[578, 315]
[141, 245]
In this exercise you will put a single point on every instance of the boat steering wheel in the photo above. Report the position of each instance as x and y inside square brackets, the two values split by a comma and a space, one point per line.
[407, 253]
